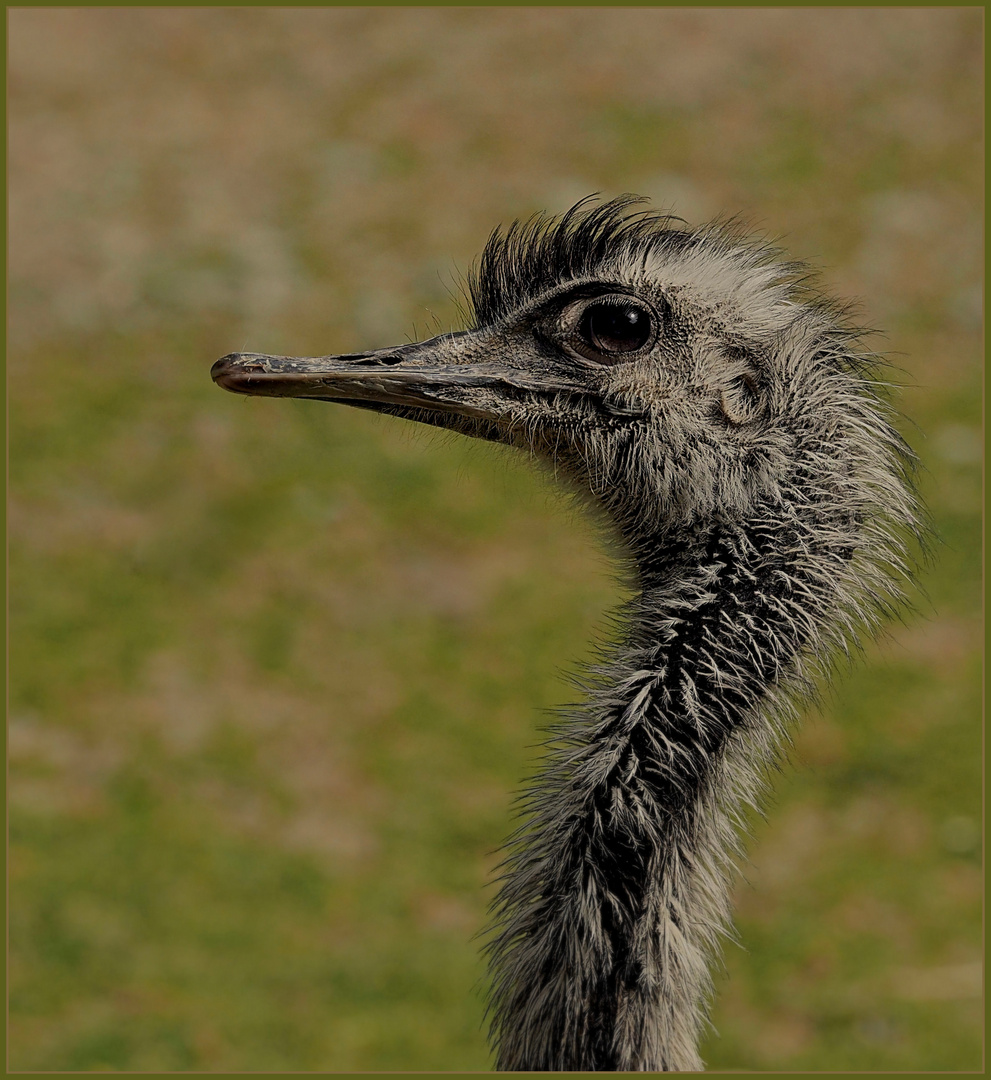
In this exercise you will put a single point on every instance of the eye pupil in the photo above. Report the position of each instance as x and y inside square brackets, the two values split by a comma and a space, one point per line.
[616, 328]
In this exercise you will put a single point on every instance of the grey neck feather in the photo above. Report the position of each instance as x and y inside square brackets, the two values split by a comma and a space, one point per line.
[615, 892]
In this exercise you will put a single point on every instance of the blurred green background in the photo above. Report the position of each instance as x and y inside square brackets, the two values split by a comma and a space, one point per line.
[277, 667]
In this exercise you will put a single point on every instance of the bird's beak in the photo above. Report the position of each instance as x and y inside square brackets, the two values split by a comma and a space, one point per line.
[449, 374]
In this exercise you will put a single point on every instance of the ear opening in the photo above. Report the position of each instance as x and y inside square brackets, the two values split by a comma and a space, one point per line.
[743, 391]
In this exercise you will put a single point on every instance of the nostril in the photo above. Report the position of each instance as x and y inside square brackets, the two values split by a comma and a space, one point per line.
[374, 361]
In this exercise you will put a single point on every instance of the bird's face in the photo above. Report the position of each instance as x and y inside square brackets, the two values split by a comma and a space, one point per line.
[577, 361]
[674, 375]
[635, 389]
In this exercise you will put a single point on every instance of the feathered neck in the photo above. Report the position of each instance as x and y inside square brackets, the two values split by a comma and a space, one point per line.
[615, 891]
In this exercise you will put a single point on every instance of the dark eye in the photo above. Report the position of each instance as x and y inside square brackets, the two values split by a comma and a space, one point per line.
[614, 329]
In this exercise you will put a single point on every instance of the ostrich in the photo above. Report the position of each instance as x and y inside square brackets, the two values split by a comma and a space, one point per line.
[725, 418]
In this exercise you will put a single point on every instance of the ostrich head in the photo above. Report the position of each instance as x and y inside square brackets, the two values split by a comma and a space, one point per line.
[724, 417]
[674, 375]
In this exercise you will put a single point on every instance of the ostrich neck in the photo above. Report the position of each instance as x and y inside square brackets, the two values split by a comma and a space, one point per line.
[616, 887]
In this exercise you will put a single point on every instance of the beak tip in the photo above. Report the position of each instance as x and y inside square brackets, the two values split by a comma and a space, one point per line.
[221, 366]
[229, 371]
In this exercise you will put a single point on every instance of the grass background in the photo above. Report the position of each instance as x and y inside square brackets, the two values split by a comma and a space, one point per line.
[278, 667]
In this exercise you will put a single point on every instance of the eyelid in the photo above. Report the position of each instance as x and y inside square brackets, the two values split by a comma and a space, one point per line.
[573, 312]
